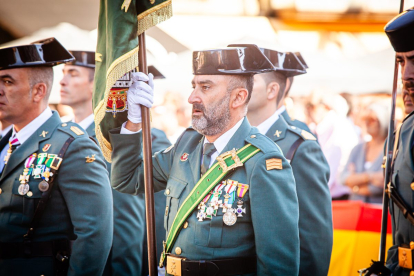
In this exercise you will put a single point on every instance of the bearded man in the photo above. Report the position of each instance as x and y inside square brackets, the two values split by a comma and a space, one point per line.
[236, 216]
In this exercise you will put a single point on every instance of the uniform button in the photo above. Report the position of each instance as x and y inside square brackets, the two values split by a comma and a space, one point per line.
[412, 273]
[178, 251]
[411, 245]
[412, 186]
[185, 225]
[167, 191]
[253, 136]
[29, 194]
[64, 124]
[1, 191]
[166, 211]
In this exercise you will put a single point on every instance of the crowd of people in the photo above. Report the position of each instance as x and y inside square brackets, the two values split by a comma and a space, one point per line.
[246, 189]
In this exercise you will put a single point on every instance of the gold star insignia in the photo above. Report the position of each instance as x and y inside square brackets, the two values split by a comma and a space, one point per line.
[277, 133]
[125, 5]
[98, 57]
[43, 133]
[90, 159]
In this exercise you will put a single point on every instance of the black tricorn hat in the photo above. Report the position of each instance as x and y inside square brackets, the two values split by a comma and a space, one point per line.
[157, 74]
[287, 63]
[83, 58]
[246, 59]
[46, 52]
[302, 60]
[400, 31]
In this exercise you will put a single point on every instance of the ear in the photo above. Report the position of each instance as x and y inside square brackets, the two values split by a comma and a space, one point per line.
[239, 96]
[39, 92]
[273, 90]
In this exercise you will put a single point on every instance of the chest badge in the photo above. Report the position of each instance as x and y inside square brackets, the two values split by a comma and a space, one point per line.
[46, 147]
[43, 134]
[184, 157]
[90, 159]
[277, 133]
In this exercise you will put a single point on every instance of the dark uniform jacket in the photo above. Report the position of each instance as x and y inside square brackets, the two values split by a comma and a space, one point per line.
[268, 230]
[80, 207]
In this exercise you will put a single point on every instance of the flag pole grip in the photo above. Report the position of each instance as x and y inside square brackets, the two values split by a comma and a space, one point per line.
[147, 151]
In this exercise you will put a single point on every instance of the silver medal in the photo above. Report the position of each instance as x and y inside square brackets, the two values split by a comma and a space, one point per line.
[229, 218]
[43, 186]
[23, 189]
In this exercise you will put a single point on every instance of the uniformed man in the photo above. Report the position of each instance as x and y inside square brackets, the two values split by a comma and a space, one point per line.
[305, 155]
[55, 196]
[128, 250]
[231, 199]
[281, 108]
[399, 261]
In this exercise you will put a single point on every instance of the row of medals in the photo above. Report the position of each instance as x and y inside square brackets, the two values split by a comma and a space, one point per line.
[40, 171]
[230, 214]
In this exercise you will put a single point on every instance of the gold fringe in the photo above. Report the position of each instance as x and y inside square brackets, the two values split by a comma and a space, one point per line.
[153, 16]
[118, 68]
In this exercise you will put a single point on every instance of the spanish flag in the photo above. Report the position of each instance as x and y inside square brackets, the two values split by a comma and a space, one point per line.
[357, 232]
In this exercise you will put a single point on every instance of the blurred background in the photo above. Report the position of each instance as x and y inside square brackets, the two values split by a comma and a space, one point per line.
[350, 72]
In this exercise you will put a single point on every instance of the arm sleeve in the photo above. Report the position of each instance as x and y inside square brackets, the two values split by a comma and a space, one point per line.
[311, 172]
[351, 160]
[275, 215]
[86, 190]
[127, 171]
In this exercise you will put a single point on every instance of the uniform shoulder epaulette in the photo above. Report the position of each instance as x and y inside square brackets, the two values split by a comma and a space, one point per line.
[72, 129]
[262, 142]
[302, 133]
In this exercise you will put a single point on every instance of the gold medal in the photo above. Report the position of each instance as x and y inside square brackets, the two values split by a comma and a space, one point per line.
[43, 186]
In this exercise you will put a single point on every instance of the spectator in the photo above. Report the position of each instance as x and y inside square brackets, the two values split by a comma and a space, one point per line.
[363, 172]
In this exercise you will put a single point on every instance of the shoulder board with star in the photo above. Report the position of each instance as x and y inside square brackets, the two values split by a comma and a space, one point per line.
[302, 133]
[72, 129]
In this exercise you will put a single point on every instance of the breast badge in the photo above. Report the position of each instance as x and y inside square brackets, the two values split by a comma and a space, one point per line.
[184, 157]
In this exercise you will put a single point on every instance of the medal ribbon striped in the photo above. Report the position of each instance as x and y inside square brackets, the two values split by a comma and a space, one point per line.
[203, 187]
[242, 190]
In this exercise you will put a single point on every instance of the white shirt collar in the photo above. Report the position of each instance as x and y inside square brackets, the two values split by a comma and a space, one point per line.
[281, 110]
[5, 131]
[267, 124]
[85, 123]
[30, 128]
[222, 141]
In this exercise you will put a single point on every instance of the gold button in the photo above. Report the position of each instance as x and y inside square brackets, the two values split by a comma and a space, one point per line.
[185, 225]
[1, 191]
[412, 186]
[412, 273]
[411, 245]
[64, 124]
[178, 251]
[253, 136]
[29, 193]
[167, 191]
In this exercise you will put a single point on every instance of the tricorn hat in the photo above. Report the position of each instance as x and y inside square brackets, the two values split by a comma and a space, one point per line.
[46, 52]
[289, 64]
[400, 31]
[246, 59]
[83, 58]
[157, 74]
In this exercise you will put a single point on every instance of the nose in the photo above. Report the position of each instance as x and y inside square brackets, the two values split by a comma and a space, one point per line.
[63, 81]
[193, 98]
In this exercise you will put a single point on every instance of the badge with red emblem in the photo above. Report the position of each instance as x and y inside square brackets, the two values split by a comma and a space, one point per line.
[184, 157]
[46, 147]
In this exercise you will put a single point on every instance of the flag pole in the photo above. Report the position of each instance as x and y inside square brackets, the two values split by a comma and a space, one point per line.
[389, 155]
[147, 150]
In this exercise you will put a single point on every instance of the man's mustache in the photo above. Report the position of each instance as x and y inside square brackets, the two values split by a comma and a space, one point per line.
[199, 107]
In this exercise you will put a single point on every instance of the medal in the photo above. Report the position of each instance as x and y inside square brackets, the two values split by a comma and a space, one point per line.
[229, 218]
[23, 189]
[47, 174]
[43, 186]
[210, 212]
[41, 157]
[240, 208]
[201, 215]
[229, 189]
[241, 191]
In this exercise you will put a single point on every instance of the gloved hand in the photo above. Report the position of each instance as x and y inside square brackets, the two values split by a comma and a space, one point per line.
[139, 93]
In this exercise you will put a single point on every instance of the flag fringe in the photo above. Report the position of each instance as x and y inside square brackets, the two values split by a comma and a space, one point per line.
[124, 63]
[153, 16]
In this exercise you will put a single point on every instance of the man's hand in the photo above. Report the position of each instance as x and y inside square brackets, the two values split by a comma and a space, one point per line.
[139, 93]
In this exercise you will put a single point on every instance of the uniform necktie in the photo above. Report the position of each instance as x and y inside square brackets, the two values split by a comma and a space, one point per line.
[13, 144]
[209, 149]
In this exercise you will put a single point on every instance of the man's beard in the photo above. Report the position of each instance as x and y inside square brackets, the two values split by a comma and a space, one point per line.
[215, 118]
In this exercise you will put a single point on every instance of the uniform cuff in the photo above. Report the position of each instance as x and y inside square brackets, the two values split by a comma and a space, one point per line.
[124, 130]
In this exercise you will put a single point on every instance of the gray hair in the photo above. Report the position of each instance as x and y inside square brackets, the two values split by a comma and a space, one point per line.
[41, 75]
[383, 115]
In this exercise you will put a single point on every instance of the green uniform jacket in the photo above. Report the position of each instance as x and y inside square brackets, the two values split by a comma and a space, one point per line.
[402, 177]
[311, 172]
[129, 250]
[295, 123]
[80, 207]
[268, 230]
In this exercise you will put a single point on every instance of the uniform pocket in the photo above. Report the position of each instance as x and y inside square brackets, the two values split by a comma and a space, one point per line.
[173, 193]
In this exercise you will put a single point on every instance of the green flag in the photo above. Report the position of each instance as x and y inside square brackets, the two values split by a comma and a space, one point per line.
[120, 23]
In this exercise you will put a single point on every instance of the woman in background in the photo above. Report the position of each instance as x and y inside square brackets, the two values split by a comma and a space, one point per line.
[363, 171]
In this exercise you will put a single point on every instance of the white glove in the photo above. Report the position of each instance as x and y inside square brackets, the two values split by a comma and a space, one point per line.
[140, 93]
